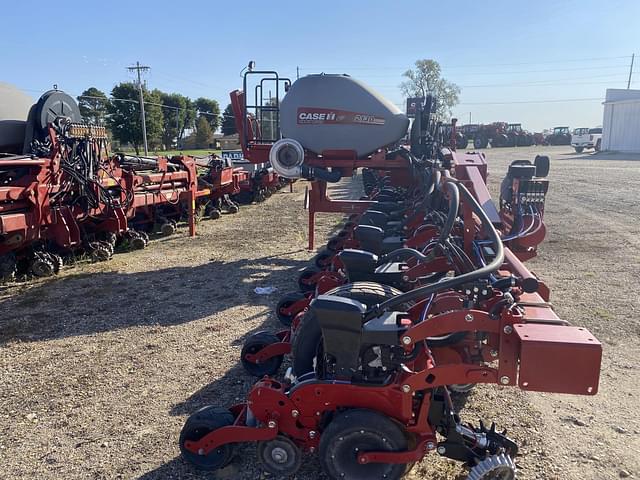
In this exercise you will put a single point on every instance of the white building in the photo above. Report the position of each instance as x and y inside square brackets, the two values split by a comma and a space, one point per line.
[621, 123]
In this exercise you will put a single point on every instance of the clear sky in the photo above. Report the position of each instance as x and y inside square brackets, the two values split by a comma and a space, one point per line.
[497, 51]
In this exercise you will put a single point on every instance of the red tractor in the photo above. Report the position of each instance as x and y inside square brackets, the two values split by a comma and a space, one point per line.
[494, 134]
[519, 137]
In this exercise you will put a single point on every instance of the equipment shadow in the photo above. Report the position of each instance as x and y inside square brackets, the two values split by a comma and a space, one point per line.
[89, 303]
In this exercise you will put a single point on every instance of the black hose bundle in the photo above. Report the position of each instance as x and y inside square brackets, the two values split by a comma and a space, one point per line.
[453, 282]
[84, 169]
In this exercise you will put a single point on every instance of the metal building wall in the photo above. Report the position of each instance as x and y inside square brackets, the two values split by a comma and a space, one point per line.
[621, 122]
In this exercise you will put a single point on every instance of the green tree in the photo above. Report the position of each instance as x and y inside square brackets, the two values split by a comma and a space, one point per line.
[426, 78]
[210, 110]
[269, 121]
[174, 119]
[93, 105]
[204, 133]
[124, 115]
[228, 121]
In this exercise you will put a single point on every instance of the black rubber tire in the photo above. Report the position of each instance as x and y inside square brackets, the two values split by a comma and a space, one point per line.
[598, 145]
[255, 343]
[197, 426]
[260, 196]
[334, 244]
[286, 301]
[245, 197]
[234, 209]
[305, 274]
[287, 468]
[579, 149]
[323, 258]
[42, 267]
[8, 267]
[361, 430]
[461, 142]
[215, 214]
[480, 142]
[308, 335]
[543, 164]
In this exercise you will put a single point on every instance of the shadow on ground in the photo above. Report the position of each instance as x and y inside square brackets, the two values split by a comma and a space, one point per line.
[589, 155]
[89, 303]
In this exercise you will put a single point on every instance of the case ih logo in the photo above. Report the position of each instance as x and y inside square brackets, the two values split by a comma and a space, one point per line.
[329, 116]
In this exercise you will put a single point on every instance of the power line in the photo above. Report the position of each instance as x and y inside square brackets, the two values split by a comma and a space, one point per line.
[519, 72]
[378, 67]
[542, 83]
[162, 105]
[559, 100]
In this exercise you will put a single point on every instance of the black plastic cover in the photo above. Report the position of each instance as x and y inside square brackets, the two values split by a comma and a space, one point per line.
[383, 330]
[369, 237]
[358, 261]
[374, 217]
[340, 320]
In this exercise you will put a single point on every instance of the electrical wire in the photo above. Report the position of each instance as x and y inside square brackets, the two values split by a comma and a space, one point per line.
[445, 66]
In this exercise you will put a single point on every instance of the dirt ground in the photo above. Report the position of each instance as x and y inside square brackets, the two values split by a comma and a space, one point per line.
[100, 366]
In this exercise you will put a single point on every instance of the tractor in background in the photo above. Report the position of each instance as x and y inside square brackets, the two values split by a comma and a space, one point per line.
[559, 136]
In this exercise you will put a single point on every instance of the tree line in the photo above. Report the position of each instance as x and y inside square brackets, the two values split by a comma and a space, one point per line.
[172, 119]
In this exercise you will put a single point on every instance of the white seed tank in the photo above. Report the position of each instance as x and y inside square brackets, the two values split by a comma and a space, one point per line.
[336, 112]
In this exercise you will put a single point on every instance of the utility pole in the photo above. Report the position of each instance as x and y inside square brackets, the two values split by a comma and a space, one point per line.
[297, 73]
[178, 127]
[633, 55]
[141, 68]
[469, 117]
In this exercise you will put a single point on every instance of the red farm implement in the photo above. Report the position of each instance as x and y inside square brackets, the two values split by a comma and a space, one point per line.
[61, 192]
[430, 297]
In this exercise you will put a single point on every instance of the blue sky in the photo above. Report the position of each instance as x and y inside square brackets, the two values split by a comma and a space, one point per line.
[497, 51]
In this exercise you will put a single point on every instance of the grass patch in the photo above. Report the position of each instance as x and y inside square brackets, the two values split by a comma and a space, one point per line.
[603, 313]
[169, 153]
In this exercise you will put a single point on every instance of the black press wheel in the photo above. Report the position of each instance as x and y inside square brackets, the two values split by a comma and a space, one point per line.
[202, 422]
[285, 302]
[360, 430]
[579, 149]
[254, 344]
[306, 274]
[323, 258]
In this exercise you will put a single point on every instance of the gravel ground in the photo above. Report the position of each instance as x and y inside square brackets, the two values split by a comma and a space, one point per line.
[100, 366]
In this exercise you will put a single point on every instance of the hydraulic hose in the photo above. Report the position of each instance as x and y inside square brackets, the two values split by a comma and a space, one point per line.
[454, 202]
[495, 264]
[401, 254]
